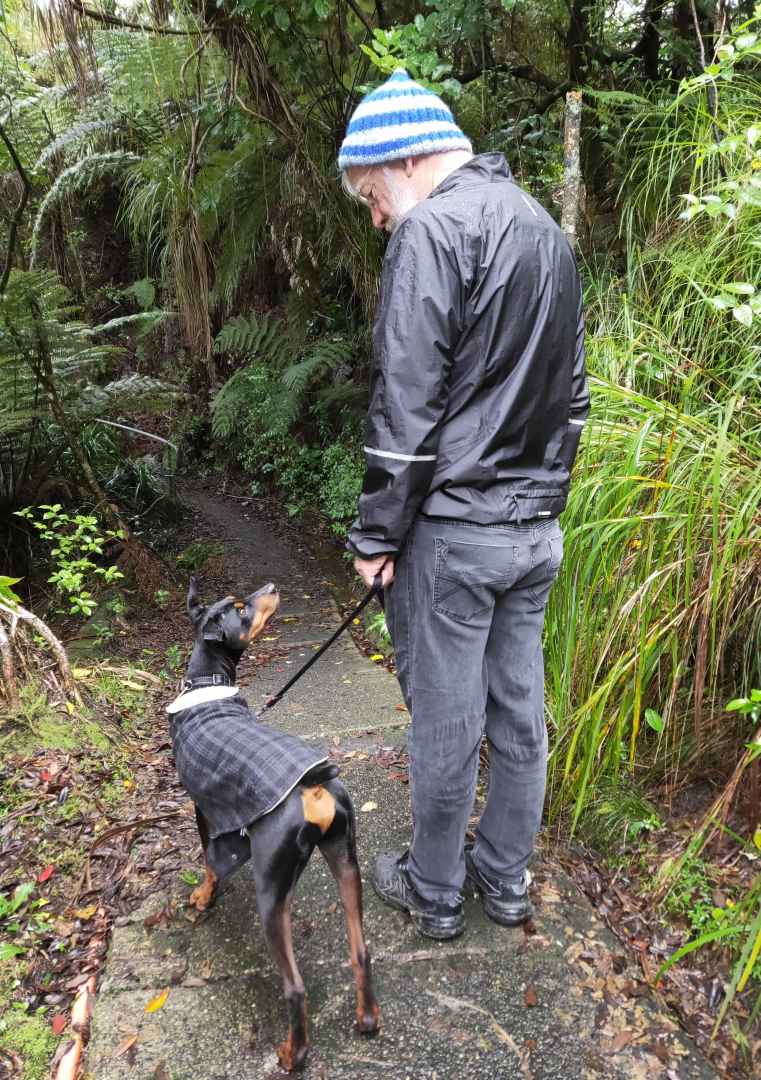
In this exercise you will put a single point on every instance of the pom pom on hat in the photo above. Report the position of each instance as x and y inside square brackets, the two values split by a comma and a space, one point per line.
[397, 120]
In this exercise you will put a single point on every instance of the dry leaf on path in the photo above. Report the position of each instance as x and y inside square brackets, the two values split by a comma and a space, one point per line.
[365, 808]
[530, 997]
[85, 912]
[125, 1045]
[158, 1002]
[58, 1023]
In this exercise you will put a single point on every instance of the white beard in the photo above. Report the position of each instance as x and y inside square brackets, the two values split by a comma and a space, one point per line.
[402, 201]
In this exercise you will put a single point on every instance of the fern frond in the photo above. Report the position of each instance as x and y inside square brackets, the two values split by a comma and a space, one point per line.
[139, 393]
[145, 320]
[265, 338]
[230, 402]
[74, 137]
[77, 178]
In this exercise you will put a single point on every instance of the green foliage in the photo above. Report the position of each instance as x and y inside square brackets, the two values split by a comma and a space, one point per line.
[74, 541]
[342, 469]
[197, 554]
[7, 595]
[21, 920]
[750, 706]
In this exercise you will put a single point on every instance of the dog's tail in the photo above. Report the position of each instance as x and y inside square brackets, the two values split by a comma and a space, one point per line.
[320, 774]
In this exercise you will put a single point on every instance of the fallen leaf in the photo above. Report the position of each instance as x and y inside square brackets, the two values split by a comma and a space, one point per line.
[529, 997]
[46, 873]
[81, 672]
[85, 912]
[158, 1002]
[126, 1043]
[365, 808]
[377, 656]
[400, 708]
[206, 968]
[618, 1042]
[161, 1072]
[58, 1023]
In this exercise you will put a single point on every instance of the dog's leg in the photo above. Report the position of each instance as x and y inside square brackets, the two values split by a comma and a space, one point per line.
[341, 856]
[279, 856]
[203, 897]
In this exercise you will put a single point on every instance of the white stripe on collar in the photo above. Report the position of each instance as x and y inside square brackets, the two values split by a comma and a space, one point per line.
[200, 696]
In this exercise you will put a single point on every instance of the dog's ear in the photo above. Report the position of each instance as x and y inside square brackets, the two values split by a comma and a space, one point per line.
[195, 608]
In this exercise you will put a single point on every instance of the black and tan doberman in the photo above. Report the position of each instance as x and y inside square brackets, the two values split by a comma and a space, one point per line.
[283, 792]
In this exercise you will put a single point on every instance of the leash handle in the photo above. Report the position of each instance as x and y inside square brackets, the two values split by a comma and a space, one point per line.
[375, 590]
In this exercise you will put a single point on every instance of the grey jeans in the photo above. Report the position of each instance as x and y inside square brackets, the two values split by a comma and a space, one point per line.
[466, 613]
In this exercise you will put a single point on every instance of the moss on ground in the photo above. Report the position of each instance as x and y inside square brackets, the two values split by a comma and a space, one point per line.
[31, 1038]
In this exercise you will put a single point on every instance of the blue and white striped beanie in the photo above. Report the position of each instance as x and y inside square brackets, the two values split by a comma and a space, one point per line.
[400, 119]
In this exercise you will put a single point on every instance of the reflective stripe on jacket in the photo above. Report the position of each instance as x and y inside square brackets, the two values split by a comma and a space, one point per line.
[478, 391]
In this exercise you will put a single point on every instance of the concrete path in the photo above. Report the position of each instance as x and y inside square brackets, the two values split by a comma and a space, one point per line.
[560, 1001]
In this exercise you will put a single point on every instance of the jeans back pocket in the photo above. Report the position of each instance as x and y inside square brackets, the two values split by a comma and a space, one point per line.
[467, 576]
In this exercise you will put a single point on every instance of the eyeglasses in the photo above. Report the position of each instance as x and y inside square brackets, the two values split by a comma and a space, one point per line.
[369, 198]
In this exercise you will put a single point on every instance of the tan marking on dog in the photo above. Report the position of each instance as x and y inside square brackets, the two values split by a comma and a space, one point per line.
[319, 807]
[264, 607]
[203, 897]
[239, 604]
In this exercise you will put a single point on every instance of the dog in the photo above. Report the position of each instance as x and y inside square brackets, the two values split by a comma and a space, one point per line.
[262, 794]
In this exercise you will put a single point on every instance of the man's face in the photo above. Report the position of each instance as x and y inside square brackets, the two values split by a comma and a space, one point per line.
[386, 191]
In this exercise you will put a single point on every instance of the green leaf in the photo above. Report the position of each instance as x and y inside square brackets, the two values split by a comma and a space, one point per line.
[745, 41]
[8, 951]
[282, 18]
[189, 877]
[419, 23]
[737, 703]
[743, 314]
[654, 720]
[742, 288]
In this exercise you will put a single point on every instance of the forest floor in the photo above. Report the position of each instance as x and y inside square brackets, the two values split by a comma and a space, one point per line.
[573, 994]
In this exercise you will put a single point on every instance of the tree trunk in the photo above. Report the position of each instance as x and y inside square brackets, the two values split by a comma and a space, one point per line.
[569, 221]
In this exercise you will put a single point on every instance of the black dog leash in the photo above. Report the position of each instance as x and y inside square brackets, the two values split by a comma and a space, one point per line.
[376, 590]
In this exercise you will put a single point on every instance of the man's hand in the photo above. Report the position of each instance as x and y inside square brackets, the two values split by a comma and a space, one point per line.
[368, 569]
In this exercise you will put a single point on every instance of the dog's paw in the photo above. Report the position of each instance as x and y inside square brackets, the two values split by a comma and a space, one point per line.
[291, 1059]
[368, 1021]
[204, 896]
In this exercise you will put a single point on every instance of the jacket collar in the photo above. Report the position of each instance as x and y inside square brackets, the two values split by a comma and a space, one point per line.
[483, 168]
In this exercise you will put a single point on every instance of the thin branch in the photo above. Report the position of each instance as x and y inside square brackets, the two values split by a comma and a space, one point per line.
[361, 16]
[124, 24]
[58, 650]
[16, 219]
[10, 686]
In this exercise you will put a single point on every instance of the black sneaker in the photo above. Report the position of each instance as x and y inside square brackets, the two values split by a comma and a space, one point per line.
[392, 883]
[504, 903]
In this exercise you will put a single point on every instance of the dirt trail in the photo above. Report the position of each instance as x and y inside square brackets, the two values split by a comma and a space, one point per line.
[555, 1000]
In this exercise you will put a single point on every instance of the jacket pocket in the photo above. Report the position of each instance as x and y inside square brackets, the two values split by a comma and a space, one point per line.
[540, 503]
[466, 576]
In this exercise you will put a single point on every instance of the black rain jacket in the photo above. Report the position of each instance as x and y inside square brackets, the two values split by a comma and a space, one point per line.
[478, 391]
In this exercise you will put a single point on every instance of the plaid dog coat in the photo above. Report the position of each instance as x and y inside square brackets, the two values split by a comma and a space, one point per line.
[235, 770]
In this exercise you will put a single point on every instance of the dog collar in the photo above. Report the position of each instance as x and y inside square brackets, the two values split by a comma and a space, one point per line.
[205, 680]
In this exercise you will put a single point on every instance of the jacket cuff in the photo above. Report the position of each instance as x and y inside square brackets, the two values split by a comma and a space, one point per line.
[367, 547]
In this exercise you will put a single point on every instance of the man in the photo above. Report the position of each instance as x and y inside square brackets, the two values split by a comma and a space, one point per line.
[478, 397]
